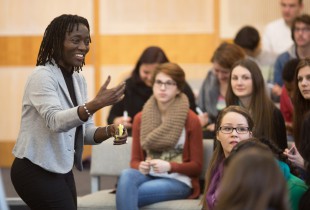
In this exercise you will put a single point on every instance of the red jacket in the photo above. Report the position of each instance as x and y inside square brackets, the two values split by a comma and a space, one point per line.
[192, 151]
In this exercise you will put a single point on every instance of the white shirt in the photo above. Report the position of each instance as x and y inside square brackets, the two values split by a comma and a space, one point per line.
[181, 177]
[277, 37]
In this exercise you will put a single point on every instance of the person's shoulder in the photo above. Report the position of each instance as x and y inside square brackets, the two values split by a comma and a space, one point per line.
[283, 56]
[43, 71]
[192, 118]
[276, 23]
[138, 116]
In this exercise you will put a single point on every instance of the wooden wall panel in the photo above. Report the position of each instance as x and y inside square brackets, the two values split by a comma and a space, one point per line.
[23, 50]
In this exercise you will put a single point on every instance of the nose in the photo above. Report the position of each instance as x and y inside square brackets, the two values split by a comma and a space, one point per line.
[163, 86]
[234, 132]
[304, 82]
[239, 81]
[83, 46]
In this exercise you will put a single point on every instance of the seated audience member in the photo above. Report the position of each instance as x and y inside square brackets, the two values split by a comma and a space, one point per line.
[295, 186]
[139, 88]
[234, 124]
[301, 99]
[167, 154]
[301, 49]
[305, 152]
[277, 34]
[211, 97]
[248, 39]
[252, 180]
[301, 103]
[286, 105]
[247, 89]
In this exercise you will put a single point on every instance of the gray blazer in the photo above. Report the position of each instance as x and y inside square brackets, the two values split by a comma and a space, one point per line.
[49, 121]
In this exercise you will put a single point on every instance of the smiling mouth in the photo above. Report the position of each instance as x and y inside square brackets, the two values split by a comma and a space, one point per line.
[79, 56]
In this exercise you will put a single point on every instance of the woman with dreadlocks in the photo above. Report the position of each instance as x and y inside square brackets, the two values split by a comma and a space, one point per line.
[57, 119]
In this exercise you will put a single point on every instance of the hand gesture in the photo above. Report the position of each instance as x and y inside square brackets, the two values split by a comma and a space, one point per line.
[294, 156]
[160, 166]
[107, 97]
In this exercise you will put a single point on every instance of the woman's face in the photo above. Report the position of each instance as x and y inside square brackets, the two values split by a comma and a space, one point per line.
[146, 71]
[241, 82]
[76, 46]
[229, 140]
[222, 74]
[165, 88]
[303, 79]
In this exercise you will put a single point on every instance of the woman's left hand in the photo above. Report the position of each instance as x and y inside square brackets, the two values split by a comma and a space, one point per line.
[119, 139]
[160, 166]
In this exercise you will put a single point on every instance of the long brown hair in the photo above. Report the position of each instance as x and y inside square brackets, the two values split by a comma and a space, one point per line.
[245, 191]
[218, 153]
[261, 107]
[301, 105]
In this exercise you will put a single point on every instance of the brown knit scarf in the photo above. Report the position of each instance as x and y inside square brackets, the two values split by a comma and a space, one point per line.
[161, 136]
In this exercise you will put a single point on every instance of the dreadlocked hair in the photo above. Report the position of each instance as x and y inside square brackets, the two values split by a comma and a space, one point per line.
[54, 36]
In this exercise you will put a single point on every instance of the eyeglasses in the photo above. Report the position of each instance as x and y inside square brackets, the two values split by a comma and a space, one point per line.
[303, 30]
[167, 84]
[228, 130]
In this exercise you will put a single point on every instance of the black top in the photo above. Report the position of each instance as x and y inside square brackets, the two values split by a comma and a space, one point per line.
[69, 82]
[280, 129]
[136, 94]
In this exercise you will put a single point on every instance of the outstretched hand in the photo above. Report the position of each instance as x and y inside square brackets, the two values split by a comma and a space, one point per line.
[107, 97]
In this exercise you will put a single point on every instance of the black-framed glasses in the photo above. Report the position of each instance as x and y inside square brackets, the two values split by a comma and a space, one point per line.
[228, 129]
[167, 84]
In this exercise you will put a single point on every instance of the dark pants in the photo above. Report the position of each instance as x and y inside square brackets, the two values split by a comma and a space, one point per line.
[41, 189]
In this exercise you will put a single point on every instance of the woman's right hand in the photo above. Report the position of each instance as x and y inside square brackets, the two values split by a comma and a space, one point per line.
[145, 167]
[106, 97]
[126, 121]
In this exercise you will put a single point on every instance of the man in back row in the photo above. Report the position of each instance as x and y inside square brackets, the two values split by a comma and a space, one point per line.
[300, 49]
[277, 36]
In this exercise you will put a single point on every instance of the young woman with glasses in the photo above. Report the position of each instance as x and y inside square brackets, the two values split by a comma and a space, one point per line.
[234, 124]
[247, 89]
[139, 88]
[167, 150]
